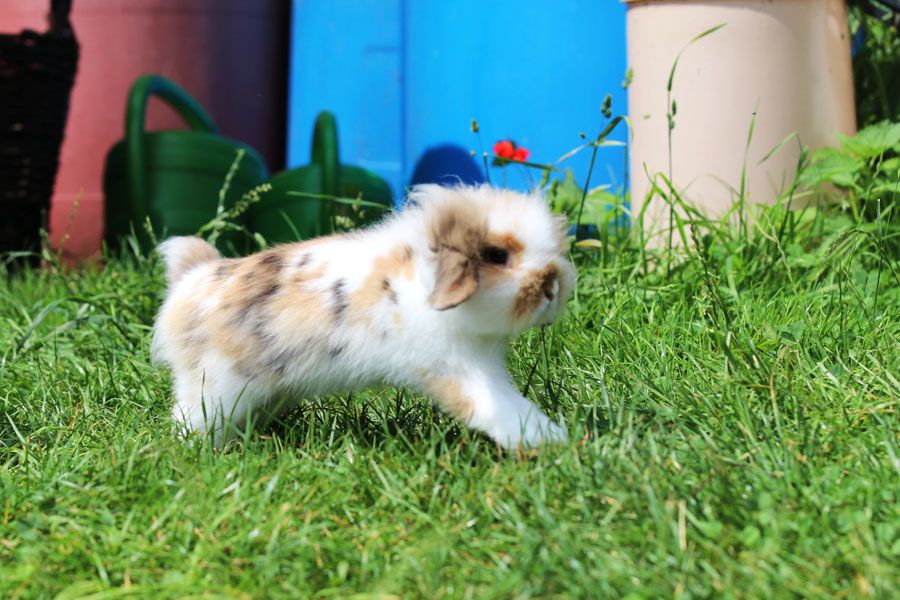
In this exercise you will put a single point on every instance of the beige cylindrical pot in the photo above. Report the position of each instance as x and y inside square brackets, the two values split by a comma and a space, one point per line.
[787, 61]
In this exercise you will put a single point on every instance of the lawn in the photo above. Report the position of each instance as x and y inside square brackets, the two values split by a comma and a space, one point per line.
[735, 435]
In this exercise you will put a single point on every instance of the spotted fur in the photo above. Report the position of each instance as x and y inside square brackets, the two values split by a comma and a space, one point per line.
[411, 301]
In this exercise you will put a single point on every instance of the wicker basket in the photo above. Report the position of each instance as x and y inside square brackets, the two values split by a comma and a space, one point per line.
[36, 76]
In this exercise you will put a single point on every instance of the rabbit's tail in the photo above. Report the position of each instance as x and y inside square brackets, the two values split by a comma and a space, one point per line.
[181, 254]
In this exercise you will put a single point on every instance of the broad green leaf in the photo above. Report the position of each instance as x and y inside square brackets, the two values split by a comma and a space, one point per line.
[830, 165]
[873, 141]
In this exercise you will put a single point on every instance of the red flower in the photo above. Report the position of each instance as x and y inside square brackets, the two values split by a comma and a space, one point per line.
[504, 149]
[521, 154]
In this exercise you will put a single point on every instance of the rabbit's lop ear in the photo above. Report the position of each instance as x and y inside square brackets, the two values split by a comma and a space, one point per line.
[455, 237]
[456, 279]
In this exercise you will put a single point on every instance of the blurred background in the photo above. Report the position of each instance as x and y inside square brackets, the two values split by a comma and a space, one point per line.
[406, 78]
[402, 84]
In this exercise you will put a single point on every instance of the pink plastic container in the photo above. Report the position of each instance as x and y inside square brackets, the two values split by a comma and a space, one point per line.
[229, 54]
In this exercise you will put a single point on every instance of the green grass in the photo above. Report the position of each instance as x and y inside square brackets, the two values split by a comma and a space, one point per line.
[735, 436]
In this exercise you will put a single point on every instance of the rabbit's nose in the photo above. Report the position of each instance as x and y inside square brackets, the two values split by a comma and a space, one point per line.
[550, 287]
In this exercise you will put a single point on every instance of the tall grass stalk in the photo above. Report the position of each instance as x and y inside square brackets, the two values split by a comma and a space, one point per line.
[671, 111]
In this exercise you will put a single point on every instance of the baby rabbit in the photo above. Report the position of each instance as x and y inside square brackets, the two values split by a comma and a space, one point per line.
[428, 299]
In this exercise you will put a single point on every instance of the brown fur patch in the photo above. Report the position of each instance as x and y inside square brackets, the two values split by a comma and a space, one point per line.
[398, 263]
[456, 235]
[389, 290]
[259, 280]
[536, 285]
[450, 396]
[338, 300]
[300, 310]
[225, 268]
[271, 259]
[245, 328]
[260, 303]
[508, 242]
[457, 227]
[299, 278]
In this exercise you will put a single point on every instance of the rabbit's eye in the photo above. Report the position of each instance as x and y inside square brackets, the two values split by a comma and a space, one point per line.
[494, 256]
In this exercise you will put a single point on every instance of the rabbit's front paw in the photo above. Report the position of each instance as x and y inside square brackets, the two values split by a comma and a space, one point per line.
[527, 429]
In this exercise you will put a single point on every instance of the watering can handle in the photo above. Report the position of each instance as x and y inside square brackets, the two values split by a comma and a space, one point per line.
[325, 152]
[189, 110]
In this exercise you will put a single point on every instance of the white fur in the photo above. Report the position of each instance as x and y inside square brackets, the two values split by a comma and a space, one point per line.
[407, 343]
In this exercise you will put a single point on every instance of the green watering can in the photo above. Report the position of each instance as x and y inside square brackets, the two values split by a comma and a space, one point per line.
[173, 177]
[305, 202]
